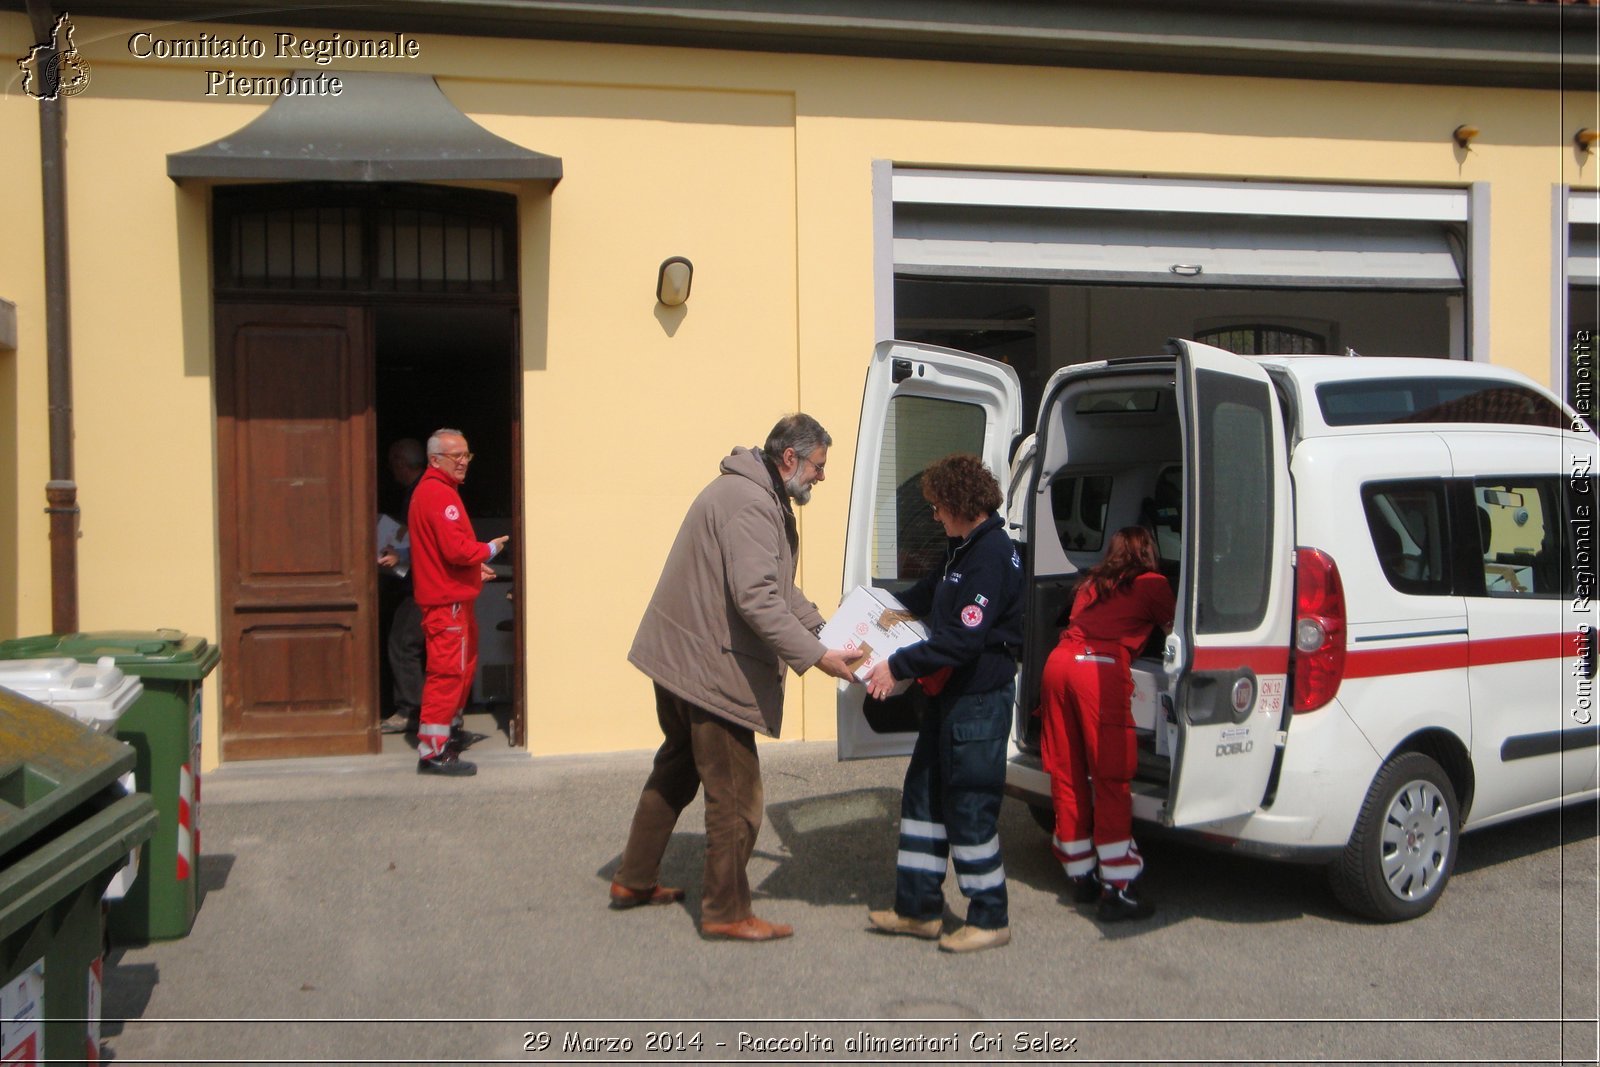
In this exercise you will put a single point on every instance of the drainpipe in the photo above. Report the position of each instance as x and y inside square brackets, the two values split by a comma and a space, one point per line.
[61, 491]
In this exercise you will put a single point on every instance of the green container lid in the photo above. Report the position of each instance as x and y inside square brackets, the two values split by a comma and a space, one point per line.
[50, 765]
[170, 654]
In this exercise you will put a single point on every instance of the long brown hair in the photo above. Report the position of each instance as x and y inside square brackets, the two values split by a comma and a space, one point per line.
[1132, 553]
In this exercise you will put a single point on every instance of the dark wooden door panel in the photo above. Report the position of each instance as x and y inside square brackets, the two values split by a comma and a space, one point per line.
[293, 392]
[296, 499]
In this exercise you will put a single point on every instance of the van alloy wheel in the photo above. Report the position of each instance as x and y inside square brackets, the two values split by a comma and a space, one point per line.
[1404, 846]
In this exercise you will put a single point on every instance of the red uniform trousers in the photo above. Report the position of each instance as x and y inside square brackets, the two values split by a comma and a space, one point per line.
[1087, 737]
[451, 633]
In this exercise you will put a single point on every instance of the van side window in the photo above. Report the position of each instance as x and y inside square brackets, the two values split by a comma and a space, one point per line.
[1520, 536]
[1401, 400]
[1408, 525]
[1079, 506]
[1165, 515]
[906, 541]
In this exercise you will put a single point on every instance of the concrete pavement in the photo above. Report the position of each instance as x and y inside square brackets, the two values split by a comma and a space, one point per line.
[346, 899]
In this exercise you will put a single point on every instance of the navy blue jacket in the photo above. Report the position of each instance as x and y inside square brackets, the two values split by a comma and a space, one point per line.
[972, 609]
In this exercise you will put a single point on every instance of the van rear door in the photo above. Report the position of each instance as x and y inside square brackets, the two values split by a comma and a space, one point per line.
[1230, 641]
[920, 403]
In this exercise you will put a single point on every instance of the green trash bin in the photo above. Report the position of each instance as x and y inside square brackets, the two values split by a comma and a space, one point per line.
[67, 824]
[163, 727]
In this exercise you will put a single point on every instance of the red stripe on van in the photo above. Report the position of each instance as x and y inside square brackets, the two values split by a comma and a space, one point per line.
[1370, 663]
[1521, 649]
[1414, 659]
[1258, 659]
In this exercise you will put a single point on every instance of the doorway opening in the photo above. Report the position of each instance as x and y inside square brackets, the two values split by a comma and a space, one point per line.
[437, 367]
[349, 316]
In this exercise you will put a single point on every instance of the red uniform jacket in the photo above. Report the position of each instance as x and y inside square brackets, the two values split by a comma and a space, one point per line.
[1127, 616]
[445, 553]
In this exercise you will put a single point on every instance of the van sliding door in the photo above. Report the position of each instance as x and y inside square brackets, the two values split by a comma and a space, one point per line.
[1230, 641]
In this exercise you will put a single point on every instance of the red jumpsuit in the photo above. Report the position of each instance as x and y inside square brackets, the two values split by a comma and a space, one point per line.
[1087, 734]
[446, 581]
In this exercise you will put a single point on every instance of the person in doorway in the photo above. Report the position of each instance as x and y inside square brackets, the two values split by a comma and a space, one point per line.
[448, 566]
[950, 806]
[404, 647]
[725, 618]
[1087, 729]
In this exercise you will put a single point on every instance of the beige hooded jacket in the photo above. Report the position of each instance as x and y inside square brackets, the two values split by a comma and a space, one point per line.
[726, 615]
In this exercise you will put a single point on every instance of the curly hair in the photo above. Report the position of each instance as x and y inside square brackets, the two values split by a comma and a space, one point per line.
[1132, 553]
[961, 485]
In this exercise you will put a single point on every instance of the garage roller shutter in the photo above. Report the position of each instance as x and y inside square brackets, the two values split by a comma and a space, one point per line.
[1207, 234]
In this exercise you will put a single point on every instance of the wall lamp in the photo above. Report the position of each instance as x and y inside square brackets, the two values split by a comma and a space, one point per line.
[1463, 135]
[673, 281]
[1585, 139]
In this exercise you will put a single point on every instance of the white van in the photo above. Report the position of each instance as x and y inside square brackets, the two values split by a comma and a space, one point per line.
[1383, 566]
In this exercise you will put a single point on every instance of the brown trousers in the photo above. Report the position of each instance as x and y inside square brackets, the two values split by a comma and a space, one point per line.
[700, 749]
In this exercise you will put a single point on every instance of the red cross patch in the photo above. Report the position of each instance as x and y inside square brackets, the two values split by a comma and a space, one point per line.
[971, 615]
[451, 513]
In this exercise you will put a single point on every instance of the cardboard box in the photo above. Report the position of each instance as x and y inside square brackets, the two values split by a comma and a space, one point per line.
[856, 627]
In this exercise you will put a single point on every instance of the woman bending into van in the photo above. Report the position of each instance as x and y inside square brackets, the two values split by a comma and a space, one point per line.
[950, 807]
[1087, 737]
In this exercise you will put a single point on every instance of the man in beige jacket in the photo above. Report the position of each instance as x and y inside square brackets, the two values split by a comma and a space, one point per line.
[724, 622]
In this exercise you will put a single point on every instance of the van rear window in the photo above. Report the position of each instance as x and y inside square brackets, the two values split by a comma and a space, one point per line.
[1109, 401]
[1402, 400]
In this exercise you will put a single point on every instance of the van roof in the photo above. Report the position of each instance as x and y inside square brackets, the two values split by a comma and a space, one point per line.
[1312, 370]
[1336, 394]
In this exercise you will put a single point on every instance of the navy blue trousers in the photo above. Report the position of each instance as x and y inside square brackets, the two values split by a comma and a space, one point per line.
[950, 809]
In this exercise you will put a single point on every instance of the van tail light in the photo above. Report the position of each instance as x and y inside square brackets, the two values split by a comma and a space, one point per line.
[1319, 631]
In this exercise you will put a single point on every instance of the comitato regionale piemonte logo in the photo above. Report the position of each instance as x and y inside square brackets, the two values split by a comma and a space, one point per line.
[55, 69]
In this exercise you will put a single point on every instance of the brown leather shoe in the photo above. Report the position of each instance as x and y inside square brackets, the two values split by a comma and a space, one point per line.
[622, 897]
[751, 929]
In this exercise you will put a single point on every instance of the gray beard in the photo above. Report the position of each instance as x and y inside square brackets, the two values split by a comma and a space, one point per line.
[800, 494]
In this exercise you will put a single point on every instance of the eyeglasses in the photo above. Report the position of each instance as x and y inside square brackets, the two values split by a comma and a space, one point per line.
[454, 457]
[818, 467]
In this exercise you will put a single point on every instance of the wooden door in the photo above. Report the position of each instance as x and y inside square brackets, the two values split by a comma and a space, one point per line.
[296, 506]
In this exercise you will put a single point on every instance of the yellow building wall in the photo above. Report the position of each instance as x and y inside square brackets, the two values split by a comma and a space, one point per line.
[24, 469]
[755, 167]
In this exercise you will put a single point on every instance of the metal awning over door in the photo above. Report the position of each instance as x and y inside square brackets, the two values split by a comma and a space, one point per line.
[955, 224]
[379, 128]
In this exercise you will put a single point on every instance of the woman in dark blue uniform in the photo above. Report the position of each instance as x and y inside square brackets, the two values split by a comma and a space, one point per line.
[950, 807]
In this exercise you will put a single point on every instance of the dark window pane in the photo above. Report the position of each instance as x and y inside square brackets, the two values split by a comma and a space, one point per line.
[1407, 522]
[1236, 442]
[1433, 400]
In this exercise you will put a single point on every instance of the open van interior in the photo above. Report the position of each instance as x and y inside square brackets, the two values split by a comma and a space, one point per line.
[1113, 457]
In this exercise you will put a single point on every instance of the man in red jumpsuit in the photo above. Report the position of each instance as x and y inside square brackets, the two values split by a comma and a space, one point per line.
[448, 566]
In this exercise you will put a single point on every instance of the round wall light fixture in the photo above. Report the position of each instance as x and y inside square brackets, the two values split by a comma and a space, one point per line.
[673, 281]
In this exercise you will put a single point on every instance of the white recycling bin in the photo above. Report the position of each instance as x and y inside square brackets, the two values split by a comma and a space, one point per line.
[95, 694]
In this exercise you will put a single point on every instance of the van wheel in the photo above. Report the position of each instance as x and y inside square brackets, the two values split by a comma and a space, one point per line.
[1404, 845]
[1045, 817]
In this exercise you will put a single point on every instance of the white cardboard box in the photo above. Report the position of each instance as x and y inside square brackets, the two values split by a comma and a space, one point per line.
[856, 627]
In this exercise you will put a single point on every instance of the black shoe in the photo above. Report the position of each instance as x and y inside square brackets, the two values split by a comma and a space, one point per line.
[1118, 904]
[1085, 889]
[447, 763]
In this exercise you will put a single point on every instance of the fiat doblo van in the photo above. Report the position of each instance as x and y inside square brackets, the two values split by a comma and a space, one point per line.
[1383, 568]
